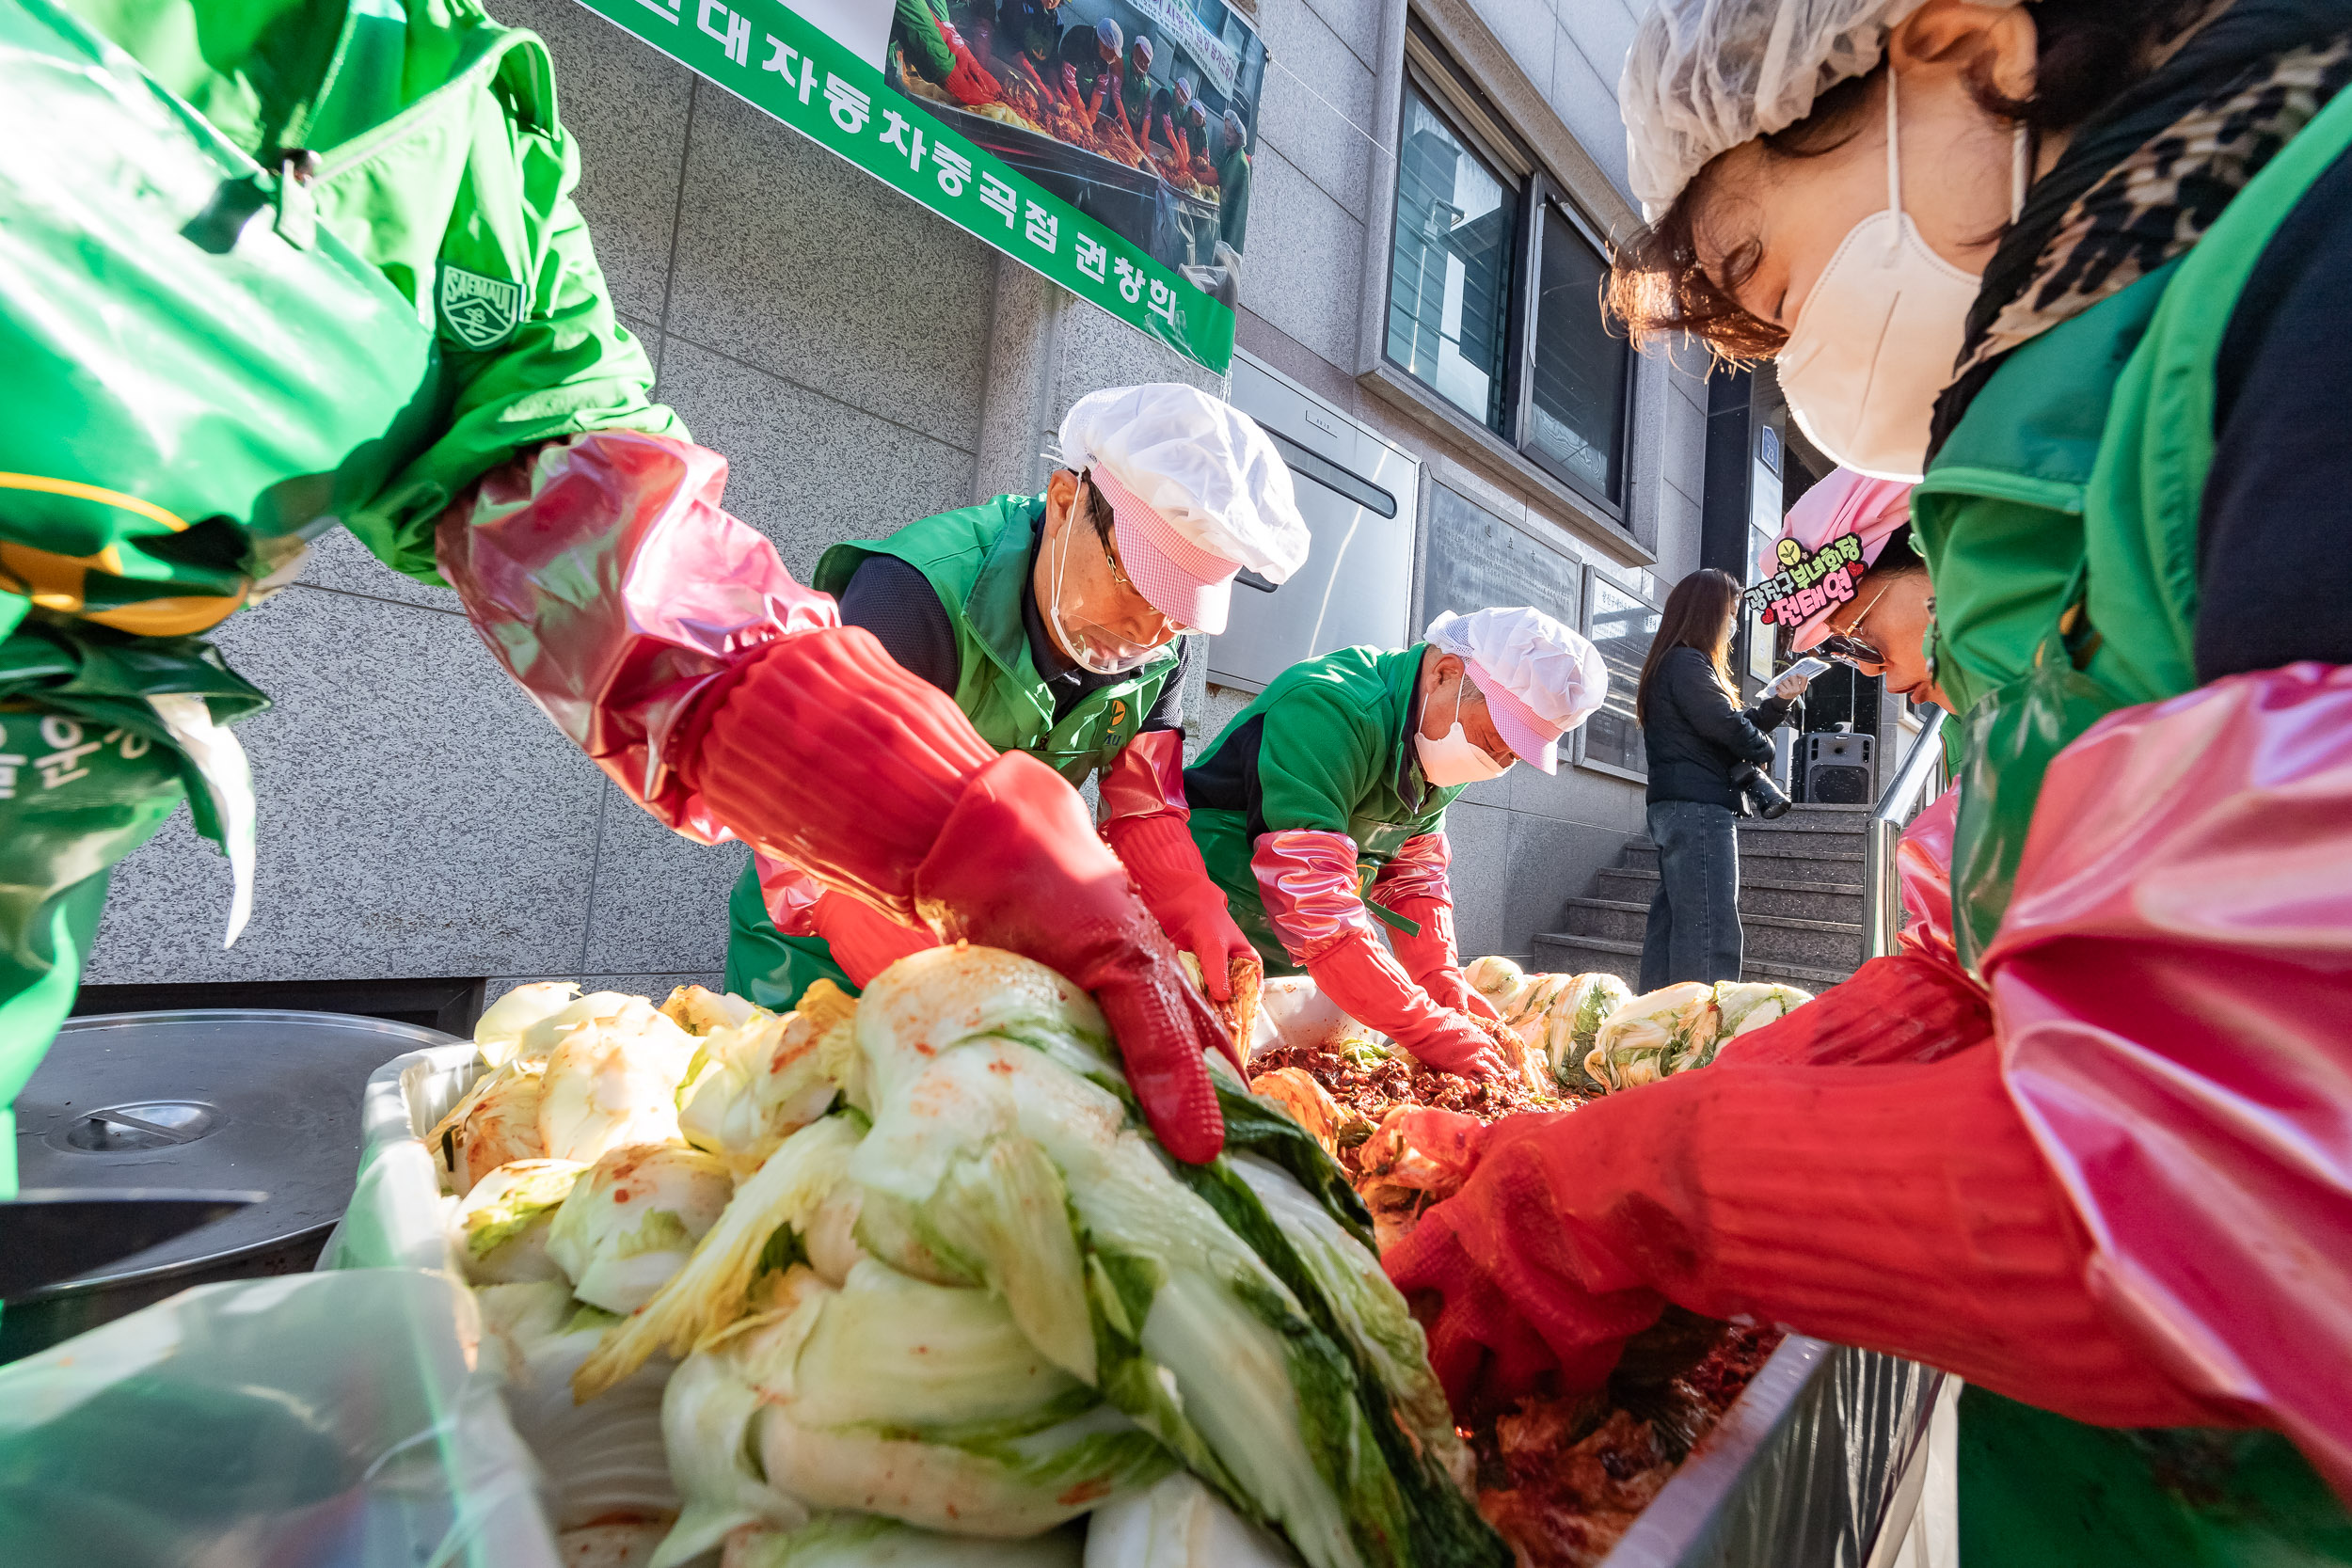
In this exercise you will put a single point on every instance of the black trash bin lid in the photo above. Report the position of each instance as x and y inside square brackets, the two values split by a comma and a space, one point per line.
[207, 1100]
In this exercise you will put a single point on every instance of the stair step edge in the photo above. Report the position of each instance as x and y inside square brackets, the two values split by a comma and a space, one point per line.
[1610, 944]
[1786, 922]
[1775, 884]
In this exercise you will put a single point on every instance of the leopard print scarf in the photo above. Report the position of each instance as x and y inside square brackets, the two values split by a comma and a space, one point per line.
[2141, 183]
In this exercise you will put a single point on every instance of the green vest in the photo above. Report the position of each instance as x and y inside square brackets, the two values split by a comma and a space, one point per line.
[976, 561]
[2059, 524]
[1334, 755]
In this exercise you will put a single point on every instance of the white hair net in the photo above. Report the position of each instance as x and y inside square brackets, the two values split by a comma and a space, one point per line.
[1539, 678]
[1705, 75]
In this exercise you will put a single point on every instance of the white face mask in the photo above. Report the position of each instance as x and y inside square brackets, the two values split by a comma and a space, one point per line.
[1453, 758]
[1877, 335]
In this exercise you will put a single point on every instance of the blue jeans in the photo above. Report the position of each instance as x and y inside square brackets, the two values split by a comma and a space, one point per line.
[1693, 928]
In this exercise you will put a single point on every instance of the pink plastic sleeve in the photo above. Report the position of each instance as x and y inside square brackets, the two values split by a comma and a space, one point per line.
[790, 894]
[1307, 880]
[1418, 871]
[2172, 982]
[1923, 862]
[604, 574]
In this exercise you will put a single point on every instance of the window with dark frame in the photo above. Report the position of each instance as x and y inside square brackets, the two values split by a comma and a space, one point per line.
[1576, 403]
[1450, 272]
[1622, 625]
[1495, 289]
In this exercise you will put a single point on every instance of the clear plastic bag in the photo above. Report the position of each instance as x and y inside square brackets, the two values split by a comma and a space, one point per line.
[323, 1418]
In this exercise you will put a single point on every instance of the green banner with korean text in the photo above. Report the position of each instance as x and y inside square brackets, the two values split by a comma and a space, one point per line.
[1104, 143]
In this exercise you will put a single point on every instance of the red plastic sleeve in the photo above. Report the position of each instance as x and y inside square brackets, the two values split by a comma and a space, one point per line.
[1418, 871]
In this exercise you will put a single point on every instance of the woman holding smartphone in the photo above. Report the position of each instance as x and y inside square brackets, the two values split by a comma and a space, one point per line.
[1699, 739]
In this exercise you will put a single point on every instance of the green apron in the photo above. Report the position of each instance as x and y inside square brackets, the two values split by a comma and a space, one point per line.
[210, 362]
[1335, 756]
[978, 561]
[2059, 524]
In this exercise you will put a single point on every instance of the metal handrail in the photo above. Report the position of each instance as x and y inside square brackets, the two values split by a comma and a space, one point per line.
[1881, 890]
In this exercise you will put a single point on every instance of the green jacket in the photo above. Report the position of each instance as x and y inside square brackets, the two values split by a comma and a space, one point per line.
[914, 25]
[977, 559]
[1326, 749]
[193, 394]
[210, 361]
[2060, 523]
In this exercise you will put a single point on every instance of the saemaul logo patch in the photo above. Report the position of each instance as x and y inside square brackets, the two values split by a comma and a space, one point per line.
[480, 312]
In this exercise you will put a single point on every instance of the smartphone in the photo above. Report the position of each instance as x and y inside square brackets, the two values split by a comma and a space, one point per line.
[1809, 667]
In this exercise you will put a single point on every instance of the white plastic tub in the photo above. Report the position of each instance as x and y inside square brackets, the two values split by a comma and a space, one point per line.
[397, 1216]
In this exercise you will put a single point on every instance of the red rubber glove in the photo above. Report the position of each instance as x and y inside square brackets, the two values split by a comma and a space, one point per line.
[1905, 1007]
[970, 82]
[1018, 866]
[864, 941]
[1415, 886]
[1143, 799]
[890, 795]
[1902, 1209]
[1076, 99]
[1307, 879]
[1369, 987]
[1159, 853]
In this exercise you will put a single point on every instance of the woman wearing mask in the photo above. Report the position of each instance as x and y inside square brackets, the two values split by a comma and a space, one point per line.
[1321, 809]
[2083, 265]
[1699, 739]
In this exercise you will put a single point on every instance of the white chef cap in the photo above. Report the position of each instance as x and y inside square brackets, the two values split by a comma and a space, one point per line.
[1541, 679]
[1196, 493]
[1705, 75]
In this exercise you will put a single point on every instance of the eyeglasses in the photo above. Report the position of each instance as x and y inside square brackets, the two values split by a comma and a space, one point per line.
[1845, 647]
[1119, 573]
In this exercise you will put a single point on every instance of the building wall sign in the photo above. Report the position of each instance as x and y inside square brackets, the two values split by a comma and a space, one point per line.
[1123, 238]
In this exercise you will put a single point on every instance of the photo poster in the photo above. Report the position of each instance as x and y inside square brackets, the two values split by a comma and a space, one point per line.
[1149, 231]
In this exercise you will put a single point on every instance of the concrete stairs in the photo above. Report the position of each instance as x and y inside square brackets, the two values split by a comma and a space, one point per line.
[1800, 903]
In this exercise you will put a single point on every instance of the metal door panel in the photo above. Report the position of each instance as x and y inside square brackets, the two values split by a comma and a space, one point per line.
[1357, 584]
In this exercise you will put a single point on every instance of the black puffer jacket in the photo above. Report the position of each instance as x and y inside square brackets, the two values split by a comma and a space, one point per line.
[1695, 736]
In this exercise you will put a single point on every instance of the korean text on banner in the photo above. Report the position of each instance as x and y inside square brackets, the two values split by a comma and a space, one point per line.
[813, 65]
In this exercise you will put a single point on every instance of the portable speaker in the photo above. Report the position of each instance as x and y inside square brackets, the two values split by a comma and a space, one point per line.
[1837, 767]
